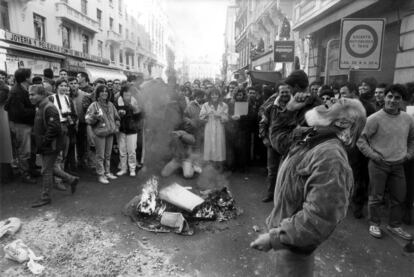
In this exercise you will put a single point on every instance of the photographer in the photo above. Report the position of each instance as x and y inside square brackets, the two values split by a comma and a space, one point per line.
[68, 118]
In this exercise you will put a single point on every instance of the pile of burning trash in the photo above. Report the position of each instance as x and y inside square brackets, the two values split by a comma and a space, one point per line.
[175, 208]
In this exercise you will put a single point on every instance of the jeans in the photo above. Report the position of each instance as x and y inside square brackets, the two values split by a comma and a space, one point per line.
[22, 137]
[103, 147]
[381, 176]
[273, 161]
[127, 145]
[81, 143]
[50, 168]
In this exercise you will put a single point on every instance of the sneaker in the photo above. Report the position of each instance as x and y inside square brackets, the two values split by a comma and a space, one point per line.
[103, 180]
[132, 173]
[400, 232]
[197, 169]
[375, 231]
[111, 176]
[121, 173]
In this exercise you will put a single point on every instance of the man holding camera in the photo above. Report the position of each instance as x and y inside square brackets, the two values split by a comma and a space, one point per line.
[68, 118]
[49, 142]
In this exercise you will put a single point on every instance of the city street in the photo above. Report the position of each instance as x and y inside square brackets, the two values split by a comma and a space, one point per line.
[216, 249]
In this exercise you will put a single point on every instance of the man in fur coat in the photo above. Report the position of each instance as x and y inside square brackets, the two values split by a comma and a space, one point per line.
[313, 187]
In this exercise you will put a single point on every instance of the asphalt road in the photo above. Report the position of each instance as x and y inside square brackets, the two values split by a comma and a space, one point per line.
[216, 249]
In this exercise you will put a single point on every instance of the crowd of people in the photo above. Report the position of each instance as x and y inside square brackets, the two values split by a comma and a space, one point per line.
[77, 125]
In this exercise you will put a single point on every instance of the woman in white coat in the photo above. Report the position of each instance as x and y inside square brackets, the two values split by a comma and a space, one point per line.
[214, 113]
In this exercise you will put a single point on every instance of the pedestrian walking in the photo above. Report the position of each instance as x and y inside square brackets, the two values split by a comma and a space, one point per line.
[49, 143]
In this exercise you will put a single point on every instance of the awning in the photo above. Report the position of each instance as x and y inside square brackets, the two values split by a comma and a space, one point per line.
[329, 14]
[265, 77]
[95, 72]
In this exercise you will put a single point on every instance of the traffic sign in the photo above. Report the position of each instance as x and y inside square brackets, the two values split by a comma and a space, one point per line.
[284, 51]
[361, 43]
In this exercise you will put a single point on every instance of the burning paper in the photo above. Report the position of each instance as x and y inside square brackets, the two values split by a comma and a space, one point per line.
[148, 202]
[180, 197]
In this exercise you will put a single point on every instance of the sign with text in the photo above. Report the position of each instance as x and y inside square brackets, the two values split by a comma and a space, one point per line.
[361, 43]
[20, 39]
[284, 51]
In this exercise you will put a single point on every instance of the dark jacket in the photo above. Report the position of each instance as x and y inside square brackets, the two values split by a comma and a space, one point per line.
[311, 196]
[19, 107]
[47, 129]
[130, 121]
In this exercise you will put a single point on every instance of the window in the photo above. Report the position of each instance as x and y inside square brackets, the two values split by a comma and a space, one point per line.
[126, 33]
[111, 23]
[127, 59]
[111, 3]
[39, 27]
[120, 6]
[85, 44]
[100, 48]
[120, 29]
[84, 6]
[66, 37]
[4, 16]
[111, 53]
[121, 58]
[99, 17]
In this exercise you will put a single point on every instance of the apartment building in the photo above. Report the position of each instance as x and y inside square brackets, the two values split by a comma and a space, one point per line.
[100, 37]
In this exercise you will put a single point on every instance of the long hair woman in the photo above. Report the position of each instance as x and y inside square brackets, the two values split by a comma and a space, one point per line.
[104, 120]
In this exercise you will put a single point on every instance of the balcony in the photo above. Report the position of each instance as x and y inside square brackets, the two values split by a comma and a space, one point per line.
[128, 45]
[76, 17]
[113, 37]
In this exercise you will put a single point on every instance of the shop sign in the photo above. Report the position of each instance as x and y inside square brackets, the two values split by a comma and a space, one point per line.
[284, 51]
[49, 46]
[361, 43]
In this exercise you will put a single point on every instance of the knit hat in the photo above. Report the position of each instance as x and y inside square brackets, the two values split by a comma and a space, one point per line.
[298, 78]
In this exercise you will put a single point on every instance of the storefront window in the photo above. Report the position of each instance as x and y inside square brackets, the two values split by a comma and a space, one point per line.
[112, 53]
[85, 44]
[66, 37]
[4, 15]
[84, 6]
[39, 27]
[100, 48]
[99, 17]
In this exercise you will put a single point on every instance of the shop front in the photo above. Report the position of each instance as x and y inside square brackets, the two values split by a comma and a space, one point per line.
[18, 51]
[96, 71]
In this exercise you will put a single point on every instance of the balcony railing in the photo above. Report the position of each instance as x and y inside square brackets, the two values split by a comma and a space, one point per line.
[128, 44]
[68, 13]
[113, 37]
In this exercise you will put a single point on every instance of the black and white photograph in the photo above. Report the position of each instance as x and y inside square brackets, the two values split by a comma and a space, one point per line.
[206, 138]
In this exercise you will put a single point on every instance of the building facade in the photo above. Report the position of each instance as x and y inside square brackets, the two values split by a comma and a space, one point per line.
[258, 24]
[230, 56]
[100, 37]
[318, 25]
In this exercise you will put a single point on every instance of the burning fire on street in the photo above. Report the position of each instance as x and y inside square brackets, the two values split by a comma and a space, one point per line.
[176, 209]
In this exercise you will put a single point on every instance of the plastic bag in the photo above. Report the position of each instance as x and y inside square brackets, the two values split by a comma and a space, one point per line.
[20, 252]
[10, 226]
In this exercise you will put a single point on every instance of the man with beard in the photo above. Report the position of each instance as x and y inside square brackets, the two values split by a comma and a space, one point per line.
[269, 116]
[283, 130]
[313, 187]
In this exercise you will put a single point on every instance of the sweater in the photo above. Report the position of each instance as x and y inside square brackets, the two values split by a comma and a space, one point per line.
[390, 136]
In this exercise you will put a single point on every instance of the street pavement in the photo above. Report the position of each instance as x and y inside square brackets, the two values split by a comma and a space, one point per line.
[217, 248]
